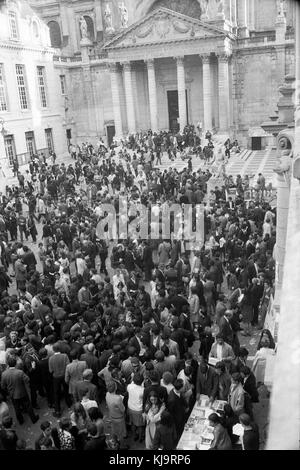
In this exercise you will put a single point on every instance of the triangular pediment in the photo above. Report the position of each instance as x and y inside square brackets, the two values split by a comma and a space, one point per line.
[164, 26]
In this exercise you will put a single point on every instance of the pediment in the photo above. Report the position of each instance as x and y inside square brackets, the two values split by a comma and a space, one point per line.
[163, 26]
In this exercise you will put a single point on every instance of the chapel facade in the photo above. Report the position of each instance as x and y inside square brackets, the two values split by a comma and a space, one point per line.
[138, 64]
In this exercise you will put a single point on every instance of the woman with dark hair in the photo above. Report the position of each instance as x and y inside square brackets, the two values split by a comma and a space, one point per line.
[165, 437]
[152, 412]
[228, 420]
[236, 397]
[79, 420]
[264, 350]
[221, 440]
[62, 436]
[96, 417]
[267, 336]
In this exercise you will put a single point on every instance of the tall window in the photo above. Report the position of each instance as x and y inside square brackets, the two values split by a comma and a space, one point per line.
[49, 139]
[63, 84]
[3, 100]
[13, 25]
[30, 143]
[55, 33]
[20, 71]
[42, 88]
[10, 148]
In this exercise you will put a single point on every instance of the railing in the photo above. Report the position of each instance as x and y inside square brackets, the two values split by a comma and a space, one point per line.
[99, 56]
[24, 158]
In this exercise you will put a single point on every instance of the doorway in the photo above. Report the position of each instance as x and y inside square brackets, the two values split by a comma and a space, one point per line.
[69, 136]
[173, 109]
[110, 132]
[256, 143]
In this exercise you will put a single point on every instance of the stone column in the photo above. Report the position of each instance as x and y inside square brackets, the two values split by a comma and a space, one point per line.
[129, 97]
[224, 103]
[243, 8]
[116, 100]
[251, 15]
[283, 195]
[207, 92]
[152, 94]
[297, 70]
[181, 92]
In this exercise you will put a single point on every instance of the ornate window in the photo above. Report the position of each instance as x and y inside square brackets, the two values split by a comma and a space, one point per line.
[55, 34]
[13, 25]
[3, 99]
[190, 8]
[21, 81]
[90, 28]
[42, 86]
[62, 79]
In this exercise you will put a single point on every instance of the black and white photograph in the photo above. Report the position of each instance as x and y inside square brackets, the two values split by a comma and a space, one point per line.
[149, 228]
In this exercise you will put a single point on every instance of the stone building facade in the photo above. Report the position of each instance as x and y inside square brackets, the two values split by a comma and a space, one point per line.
[160, 64]
[31, 109]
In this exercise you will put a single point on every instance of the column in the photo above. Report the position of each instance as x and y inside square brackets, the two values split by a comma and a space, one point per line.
[297, 73]
[181, 92]
[251, 15]
[116, 100]
[224, 104]
[152, 95]
[243, 7]
[207, 92]
[129, 97]
[283, 194]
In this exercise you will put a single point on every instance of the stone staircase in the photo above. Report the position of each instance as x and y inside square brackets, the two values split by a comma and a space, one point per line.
[252, 163]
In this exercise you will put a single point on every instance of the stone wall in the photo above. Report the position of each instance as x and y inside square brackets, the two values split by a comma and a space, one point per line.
[257, 75]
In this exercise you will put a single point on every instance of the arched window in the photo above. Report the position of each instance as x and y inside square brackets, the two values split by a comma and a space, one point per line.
[55, 34]
[90, 28]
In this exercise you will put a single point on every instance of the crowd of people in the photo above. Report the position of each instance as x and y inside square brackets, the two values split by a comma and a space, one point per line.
[103, 328]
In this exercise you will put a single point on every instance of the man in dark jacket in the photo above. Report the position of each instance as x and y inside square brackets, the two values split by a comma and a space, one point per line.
[92, 361]
[177, 407]
[95, 440]
[207, 381]
[15, 383]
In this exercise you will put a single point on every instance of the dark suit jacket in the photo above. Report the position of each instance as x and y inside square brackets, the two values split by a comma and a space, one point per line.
[92, 362]
[83, 384]
[177, 407]
[134, 342]
[16, 383]
[250, 388]
[97, 443]
[226, 330]
[207, 384]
